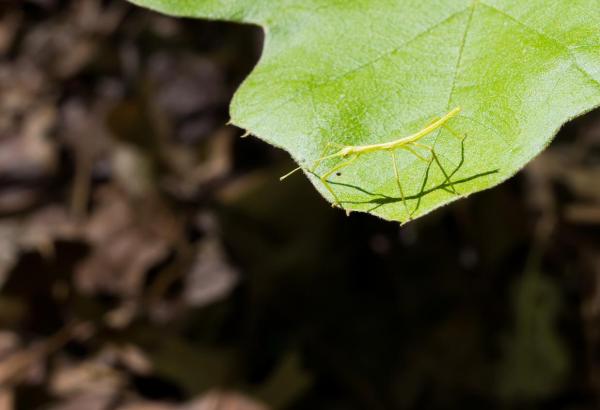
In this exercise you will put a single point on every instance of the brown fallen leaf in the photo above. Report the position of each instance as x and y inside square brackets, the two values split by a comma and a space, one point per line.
[7, 400]
[148, 406]
[9, 25]
[126, 242]
[27, 162]
[224, 400]
[97, 375]
[213, 400]
[87, 401]
[14, 367]
[584, 214]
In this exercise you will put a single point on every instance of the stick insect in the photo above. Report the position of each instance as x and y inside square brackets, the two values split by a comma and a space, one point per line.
[350, 153]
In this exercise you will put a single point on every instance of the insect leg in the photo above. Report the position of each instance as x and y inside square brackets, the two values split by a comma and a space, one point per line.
[317, 162]
[336, 168]
[415, 153]
[454, 133]
[397, 174]
[439, 164]
[324, 154]
[428, 162]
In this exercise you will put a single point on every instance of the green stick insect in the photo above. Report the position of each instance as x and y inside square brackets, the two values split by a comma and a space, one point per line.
[350, 153]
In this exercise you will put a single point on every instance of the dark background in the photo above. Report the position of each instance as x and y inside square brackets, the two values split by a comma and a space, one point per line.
[151, 260]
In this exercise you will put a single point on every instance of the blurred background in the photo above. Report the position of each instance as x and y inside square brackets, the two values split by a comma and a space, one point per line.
[151, 260]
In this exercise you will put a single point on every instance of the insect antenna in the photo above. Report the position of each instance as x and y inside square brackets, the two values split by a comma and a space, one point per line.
[317, 162]
[290, 173]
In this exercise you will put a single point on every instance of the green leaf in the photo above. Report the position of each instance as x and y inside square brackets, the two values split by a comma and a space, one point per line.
[356, 72]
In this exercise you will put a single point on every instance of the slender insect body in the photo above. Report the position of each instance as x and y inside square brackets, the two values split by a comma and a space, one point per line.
[409, 143]
[347, 151]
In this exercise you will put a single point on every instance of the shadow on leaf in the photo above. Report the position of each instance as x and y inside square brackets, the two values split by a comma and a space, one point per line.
[447, 185]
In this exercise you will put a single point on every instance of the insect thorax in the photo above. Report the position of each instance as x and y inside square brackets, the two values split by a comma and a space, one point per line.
[346, 151]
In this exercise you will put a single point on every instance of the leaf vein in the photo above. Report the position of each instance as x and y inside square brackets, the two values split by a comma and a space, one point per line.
[549, 39]
[362, 66]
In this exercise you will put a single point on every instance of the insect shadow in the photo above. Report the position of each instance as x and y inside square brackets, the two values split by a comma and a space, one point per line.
[412, 143]
[447, 185]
